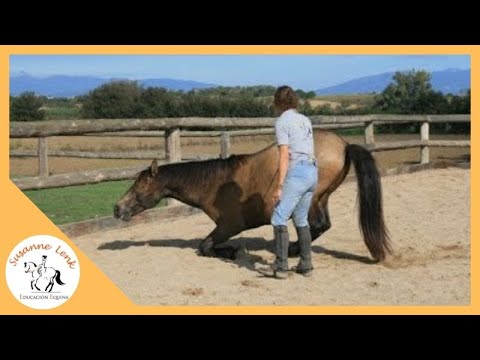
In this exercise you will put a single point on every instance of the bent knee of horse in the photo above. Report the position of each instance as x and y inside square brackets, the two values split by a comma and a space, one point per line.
[208, 249]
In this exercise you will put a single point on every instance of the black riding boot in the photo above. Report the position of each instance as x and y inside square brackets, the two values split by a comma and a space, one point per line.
[280, 266]
[304, 266]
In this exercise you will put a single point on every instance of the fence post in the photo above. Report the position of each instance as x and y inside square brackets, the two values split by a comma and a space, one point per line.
[173, 150]
[43, 156]
[424, 136]
[173, 153]
[369, 133]
[225, 145]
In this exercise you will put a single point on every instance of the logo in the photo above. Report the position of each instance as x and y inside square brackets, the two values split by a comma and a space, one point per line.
[42, 272]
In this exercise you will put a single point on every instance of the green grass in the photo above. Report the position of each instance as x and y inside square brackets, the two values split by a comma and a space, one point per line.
[62, 113]
[77, 203]
[350, 132]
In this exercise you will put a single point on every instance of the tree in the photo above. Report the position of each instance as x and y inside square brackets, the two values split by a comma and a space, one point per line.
[118, 99]
[411, 93]
[26, 107]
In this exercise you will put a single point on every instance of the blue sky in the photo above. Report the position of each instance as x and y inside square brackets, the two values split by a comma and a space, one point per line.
[308, 72]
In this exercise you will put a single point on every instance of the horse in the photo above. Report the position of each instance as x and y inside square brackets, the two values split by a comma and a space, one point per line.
[236, 193]
[48, 273]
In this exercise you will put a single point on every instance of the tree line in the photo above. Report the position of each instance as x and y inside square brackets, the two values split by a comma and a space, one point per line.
[409, 92]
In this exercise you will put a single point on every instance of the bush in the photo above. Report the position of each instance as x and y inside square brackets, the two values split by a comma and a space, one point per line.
[117, 99]
[128, 100]
[26, 107]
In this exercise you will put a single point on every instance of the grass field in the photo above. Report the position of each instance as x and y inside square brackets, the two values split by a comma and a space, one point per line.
[353, 101]
[77, 203]
[62, 113]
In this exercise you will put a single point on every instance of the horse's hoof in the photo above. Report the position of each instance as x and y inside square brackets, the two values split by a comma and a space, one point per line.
[294, 250]
[206, 251]
[226, 252]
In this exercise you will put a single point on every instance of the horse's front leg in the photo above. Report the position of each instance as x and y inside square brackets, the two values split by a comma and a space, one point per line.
[213, 246]
[36, 284]
[31, 283]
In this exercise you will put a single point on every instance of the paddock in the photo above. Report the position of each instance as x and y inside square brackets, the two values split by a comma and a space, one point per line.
[427, 214]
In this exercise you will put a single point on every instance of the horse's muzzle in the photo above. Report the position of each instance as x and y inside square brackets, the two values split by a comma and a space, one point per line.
[122, 215]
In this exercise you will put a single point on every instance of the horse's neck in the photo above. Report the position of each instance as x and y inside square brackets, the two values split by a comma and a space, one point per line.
[182, 194]
[184, 188]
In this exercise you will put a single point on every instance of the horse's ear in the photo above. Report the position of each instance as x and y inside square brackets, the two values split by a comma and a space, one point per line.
[154, 167]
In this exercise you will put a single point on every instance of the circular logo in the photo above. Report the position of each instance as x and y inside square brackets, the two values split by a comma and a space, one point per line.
[42, 272]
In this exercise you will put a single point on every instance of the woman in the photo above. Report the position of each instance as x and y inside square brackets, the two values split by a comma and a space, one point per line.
[296, 182]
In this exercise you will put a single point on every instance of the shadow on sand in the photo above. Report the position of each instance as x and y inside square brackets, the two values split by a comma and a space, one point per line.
[242, 245]
[242, 257]
[342, 255]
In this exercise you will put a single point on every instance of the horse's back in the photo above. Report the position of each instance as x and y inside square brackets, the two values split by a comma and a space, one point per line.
[261, 168]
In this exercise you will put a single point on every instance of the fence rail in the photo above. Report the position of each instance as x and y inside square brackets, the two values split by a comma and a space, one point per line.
[172, 129]
[81, 127]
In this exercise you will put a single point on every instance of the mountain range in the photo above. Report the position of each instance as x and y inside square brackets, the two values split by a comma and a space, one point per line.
[69, 86]
[447, 81]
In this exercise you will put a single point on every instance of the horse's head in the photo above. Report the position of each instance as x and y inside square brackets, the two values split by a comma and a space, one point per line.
[29, 266]
[145, 193]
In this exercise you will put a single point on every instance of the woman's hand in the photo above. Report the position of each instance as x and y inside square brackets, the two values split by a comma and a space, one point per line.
[277, 195]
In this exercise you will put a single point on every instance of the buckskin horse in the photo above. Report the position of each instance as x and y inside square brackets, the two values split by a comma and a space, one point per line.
[236, 193]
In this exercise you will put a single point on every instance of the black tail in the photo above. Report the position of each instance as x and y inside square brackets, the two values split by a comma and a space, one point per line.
[371, 219]
[57, 278]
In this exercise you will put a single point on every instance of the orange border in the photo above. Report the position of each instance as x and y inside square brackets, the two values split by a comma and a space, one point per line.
[98, 295]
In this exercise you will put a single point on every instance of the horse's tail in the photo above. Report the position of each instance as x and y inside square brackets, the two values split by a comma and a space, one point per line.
[57, 278]
[371, 219]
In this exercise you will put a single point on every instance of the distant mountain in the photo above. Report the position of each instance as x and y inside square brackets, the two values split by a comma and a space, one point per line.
[68, 86]
[447, 81]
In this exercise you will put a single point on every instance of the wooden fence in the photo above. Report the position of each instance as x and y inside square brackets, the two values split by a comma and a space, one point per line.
[173, 128]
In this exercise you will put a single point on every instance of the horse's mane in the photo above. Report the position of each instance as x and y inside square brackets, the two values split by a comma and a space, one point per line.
[202, 173]
[32, 263]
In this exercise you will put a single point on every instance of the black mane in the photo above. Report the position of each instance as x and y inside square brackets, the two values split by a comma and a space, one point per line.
[202, 172]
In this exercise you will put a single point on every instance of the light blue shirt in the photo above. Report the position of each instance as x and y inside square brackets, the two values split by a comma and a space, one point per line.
[295, 130]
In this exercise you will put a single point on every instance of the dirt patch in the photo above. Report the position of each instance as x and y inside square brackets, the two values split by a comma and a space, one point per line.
[250, 284]
[193, 292]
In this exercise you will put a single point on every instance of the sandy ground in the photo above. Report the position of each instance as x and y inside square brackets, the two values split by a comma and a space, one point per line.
[428, 215]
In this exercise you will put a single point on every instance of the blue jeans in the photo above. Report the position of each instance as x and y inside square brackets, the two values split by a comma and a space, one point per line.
[297, 193]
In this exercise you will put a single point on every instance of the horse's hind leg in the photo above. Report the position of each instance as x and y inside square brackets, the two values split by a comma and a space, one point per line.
[213, 246]
[50, 284]
[318, 219]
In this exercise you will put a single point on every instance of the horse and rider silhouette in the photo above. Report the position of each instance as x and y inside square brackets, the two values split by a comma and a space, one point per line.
[42, 272]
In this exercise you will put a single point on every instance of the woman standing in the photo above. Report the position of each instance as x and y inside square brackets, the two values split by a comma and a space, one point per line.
[296, 182]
